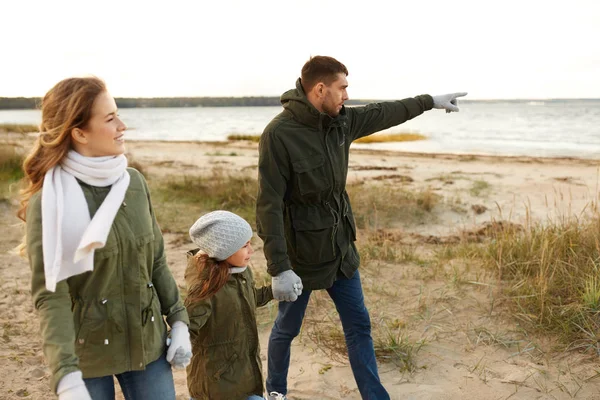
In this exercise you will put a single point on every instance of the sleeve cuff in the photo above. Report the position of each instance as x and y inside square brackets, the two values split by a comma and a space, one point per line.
[275, 269]
[427, 101]
[179, 324]
[69, 381]
[179, 316]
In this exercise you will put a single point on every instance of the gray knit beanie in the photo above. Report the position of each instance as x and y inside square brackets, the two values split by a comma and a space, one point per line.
[220, 234]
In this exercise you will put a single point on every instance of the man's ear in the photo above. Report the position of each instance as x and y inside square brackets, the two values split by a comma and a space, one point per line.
[319, 89]
[78, 136]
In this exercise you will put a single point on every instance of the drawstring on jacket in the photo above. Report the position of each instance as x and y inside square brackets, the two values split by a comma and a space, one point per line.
[336, 223]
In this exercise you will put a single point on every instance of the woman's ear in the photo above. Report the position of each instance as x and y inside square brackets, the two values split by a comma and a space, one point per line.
[79, 136]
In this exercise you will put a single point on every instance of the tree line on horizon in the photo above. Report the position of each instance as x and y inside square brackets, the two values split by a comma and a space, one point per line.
[28, 103]
[32, 103]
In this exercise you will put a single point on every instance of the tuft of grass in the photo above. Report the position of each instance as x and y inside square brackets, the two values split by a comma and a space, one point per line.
[483, 335]
[11, 170]
[449, 179]
[19, 128]
[464, 250]
[380, 206]
[549, 274]
[251, 138]
[328, 336]
[390, 339]
[590, 295]
[456, 204]
[394, 137]
[467, 158]
[426, 200]
[325, 368]
[7, 332]
[385, 246]
[394, 345]
[479, 187]
[198, 195]
[221, 154]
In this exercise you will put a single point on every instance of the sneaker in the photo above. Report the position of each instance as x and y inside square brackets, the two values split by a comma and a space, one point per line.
[276, 396]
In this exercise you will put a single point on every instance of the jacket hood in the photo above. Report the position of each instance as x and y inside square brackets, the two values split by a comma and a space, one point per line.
[296, 102]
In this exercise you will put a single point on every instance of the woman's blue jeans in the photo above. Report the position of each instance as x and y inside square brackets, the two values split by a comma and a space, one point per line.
[153, 383]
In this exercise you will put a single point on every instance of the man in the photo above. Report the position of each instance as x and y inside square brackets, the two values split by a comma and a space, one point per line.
[304, 216]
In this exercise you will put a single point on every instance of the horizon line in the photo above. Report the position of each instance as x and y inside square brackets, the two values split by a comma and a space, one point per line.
[351, 100]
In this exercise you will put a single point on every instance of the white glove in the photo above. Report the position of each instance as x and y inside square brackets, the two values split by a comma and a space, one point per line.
[72, 387]
[447, 101]
[287, 286]
[179, 353]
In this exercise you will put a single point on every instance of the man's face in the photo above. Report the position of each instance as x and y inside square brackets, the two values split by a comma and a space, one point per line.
[335, 95]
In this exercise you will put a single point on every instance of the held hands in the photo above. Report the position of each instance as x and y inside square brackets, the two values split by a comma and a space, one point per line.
[72, 387]
[179, 353]
[287, 286]
[447, 101]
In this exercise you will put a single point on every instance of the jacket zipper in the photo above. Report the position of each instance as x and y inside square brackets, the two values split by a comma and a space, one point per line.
[334, 213]
[251, 323]
[330, 163]
[120, 249]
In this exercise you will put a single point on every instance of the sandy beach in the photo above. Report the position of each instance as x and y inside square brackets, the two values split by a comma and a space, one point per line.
[464, 343]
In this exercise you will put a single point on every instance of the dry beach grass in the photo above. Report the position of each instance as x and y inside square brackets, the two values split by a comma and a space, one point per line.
[480, 273]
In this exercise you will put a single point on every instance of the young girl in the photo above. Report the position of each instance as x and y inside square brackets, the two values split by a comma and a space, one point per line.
[100, 279]
[221, 303]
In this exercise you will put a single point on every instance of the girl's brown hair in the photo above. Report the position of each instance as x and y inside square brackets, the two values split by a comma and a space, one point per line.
[68, 105]
[206, 278]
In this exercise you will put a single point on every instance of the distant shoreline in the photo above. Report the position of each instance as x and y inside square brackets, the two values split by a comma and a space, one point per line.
[32, 103]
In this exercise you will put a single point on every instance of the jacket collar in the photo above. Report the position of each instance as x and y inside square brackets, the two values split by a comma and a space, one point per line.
[296, 102]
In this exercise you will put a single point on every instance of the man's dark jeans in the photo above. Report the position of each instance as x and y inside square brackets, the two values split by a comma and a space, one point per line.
[347, 296]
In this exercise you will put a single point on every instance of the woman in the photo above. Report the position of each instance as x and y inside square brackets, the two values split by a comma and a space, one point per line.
[100, 279]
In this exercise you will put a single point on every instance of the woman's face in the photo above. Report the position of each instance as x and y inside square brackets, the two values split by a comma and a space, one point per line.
[104, 132]
[241, 257]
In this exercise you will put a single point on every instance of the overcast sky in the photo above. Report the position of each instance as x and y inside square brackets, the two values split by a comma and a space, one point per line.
[393, 49]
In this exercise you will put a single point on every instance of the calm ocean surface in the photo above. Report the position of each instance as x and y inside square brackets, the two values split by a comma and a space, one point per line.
[532, 128]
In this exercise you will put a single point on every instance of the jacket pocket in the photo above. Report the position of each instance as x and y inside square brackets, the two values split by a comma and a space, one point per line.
[347, 211]
[109, 250]
[315, 235]
[215, 374]
[144, 257]
[350, 219]
[153, 324]
[224, 366]
[136, 210]
[94, 341]
[310, 174]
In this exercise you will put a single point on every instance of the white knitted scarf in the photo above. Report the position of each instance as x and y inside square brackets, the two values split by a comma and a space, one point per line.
[237, 270]
[69, 237]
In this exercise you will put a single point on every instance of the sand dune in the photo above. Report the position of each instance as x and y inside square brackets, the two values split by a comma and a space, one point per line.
[472, 349]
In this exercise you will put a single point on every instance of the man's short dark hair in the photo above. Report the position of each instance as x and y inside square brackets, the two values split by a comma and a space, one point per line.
[321, 69]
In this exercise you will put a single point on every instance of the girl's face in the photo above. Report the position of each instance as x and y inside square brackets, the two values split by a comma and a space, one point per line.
[241, 257]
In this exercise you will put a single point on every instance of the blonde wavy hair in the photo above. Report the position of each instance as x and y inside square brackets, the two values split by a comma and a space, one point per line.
[68, 105]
